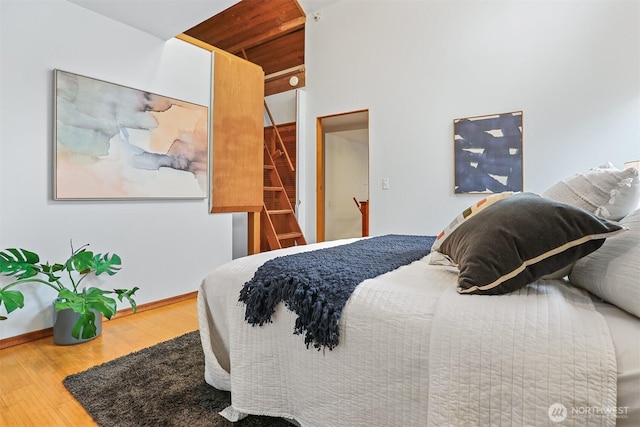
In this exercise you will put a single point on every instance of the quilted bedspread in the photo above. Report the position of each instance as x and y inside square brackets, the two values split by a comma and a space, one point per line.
[496, 360]
[413, 352]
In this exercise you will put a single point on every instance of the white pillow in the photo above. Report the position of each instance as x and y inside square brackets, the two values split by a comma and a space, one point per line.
[605, 191]
[613, 271]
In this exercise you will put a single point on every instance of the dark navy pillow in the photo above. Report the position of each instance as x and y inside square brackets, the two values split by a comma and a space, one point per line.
[520, 239]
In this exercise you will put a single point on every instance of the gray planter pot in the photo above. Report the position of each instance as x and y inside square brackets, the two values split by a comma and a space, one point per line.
[63, 322]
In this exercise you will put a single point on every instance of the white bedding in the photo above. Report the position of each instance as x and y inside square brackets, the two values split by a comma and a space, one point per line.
[379, 374]
[504, 359]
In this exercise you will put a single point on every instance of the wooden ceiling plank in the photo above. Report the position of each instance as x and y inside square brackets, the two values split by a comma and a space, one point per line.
[271, 33]
[267, 36]
[245, 20]
[279, 54]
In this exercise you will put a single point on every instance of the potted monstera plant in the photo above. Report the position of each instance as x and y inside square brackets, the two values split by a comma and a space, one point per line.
[78, 310]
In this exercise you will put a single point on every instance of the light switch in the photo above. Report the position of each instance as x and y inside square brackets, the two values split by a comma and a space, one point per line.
[385, 183]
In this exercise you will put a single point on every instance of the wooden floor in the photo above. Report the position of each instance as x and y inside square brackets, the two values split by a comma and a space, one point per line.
[31, 390]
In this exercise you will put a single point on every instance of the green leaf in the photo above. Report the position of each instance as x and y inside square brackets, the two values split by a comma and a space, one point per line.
[85, 326]
[12, 300]
[49, 270]
[106, 308]
[67, 294]
[106, 264]
[128, 294]
[98, 300]
[69, 299]
[81, 261]
[19, 263]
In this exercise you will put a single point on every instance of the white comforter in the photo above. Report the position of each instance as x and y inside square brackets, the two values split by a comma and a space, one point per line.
[413, 352]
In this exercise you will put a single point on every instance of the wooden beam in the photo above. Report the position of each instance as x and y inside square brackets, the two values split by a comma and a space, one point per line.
[288, 71]
[281, 83]
[253, 243]
[279, 31]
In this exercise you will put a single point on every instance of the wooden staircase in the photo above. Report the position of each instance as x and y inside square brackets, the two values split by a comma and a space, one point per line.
[279, 226]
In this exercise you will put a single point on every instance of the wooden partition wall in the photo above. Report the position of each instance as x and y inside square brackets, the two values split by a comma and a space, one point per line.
[237, 137]
[237, 144]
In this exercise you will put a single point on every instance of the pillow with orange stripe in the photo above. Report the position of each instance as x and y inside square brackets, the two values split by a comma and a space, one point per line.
[519, 239]
[457, 221]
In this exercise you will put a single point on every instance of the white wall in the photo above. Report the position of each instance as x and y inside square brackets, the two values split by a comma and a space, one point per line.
[571, 66]
[167, 247]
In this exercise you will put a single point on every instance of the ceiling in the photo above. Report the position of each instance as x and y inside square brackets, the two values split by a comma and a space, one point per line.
[357, 120]
[268, 33]
[162, 18]
[352, 126]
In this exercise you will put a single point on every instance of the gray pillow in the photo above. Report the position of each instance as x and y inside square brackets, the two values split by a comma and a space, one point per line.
[613, 272]
[519, 239]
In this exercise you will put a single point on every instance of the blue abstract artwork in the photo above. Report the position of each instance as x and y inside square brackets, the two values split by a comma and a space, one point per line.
[488, 153]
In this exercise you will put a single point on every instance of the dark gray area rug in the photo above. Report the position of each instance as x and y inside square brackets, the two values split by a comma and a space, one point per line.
[161, 385]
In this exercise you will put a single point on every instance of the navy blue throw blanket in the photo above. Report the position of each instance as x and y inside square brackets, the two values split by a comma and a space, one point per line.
[317, 284]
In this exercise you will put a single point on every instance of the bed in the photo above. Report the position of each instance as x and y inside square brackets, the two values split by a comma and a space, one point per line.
[414, 350]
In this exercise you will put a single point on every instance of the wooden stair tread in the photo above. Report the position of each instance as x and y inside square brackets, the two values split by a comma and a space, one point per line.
[273, 189]
[292, 235]
[280, 211]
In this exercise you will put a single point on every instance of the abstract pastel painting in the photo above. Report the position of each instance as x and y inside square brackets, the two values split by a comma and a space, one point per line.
[115, 142]
[488, 153]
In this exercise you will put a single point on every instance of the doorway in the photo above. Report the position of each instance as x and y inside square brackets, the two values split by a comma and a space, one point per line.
[342, 176]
